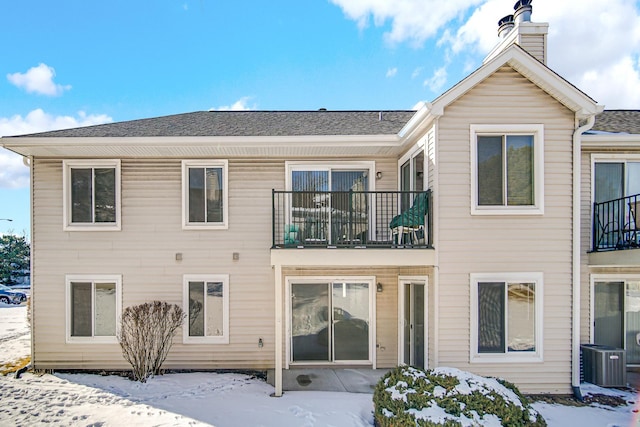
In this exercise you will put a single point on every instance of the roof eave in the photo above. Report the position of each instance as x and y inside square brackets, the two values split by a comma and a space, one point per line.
[181, 146]
[609, 140]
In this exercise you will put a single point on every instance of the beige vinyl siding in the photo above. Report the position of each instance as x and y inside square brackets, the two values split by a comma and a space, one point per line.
[495, 244]
[144, 253]
[535, 45]
[586, 208]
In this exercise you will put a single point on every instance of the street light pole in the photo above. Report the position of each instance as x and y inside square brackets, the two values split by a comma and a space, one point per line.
[6, 219]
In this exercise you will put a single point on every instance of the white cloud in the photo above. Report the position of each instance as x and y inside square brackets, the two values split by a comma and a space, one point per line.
[38, 80]
[437, 81]
[13, 173]
[594, 44]
[411, 20]
[391, 72]
[239, 105]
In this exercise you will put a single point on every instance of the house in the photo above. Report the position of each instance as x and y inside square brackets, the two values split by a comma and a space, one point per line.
[460, 234]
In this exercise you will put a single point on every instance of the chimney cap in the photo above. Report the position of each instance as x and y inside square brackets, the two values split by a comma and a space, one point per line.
[523, 10]
[521, 3]
[505, 25]
[505, 20]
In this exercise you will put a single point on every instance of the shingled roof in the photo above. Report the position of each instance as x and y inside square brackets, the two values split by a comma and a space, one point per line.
[247, 123]
[618, 121]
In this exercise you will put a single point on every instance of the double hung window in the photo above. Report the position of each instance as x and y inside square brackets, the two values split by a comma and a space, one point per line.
[92, 194]
[507, 169]
[93, 308]
[506, 317]
[205, 194]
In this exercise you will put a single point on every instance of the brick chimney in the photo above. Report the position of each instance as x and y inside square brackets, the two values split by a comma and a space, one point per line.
[518, 29]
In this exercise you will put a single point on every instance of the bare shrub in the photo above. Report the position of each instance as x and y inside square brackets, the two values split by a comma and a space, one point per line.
[146, 336]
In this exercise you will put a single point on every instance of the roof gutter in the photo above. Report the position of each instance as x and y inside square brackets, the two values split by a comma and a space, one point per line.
[420, 120]
[575, 268]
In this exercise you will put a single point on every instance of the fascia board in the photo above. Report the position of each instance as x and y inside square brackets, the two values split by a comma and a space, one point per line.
[24, 145]
[609, 140]
[236, 141]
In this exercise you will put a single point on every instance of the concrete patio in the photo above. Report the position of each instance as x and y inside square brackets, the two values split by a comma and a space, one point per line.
[357, 380]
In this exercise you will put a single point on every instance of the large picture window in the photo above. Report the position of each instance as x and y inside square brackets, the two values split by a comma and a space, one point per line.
[93, 308]
[506, 316]
[508, 169]
[205, 194]
[206, 302]
[92, 194]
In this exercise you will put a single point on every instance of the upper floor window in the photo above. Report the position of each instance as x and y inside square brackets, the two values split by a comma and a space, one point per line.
[508, 169]
[616, 178]
[91, 194]
[506, 317]
[412, 176]
[93, 307]
[205, 194]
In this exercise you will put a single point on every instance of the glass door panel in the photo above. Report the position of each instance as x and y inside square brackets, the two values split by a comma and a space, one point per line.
[405, 185]
[310, 204]
[351, 321]
[414, 324]
[350, 212]
[633, 178]
[632, 329]
[608, 320]
[310, 331]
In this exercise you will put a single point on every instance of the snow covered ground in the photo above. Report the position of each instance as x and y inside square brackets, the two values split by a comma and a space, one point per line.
[208, 399]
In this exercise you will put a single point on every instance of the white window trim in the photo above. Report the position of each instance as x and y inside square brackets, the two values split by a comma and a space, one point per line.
[67, 225]
[417, 150]
[514, 357]
[224, 278]
[537, 130]
[370, 280]
[403, 280]
[337, 165]
[94, 279]
[212, 163]
[608, 158]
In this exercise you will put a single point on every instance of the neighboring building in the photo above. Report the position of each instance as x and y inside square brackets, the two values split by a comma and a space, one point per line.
[455, 235]
[610, 233]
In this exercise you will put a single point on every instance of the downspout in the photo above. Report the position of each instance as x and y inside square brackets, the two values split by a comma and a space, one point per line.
[576, 274]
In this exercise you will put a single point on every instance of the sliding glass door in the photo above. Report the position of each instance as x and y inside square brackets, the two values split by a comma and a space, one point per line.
[330, 321]
[617, 316]
[328, 204]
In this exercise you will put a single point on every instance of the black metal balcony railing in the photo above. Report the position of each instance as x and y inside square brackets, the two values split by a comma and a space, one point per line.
[616, 224]
[351, 219]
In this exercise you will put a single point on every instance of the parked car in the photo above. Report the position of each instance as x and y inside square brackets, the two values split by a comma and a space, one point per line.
[11, 296]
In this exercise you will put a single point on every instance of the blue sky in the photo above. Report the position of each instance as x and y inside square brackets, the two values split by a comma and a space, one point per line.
[77, 62]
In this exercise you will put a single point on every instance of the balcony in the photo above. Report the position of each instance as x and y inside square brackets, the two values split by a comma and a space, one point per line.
[616, 225]
[352, 219]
